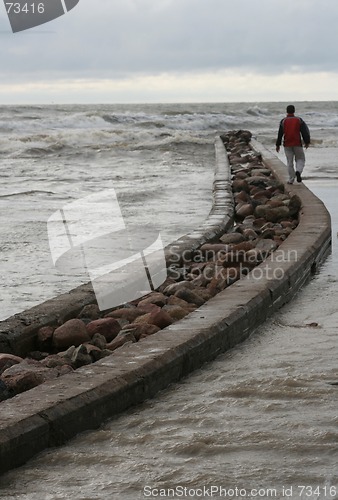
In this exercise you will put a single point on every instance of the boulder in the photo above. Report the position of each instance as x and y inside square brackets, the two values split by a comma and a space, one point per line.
[295, 205]
[174, 287]
[266, 246]
[156, 298]
[142, 319]
[73, 332]
[141, 330]
[176, 312]
[8, 360]
[90, 311]
[55, 360]
[244, 210]
[190, 296]
[210, 250]
[145, 308]
[160, 318]
[231, 238]
[122, 338]
[176, 301]
[272, 214]
[80, 357]
[108, 327]
[242, 196]
[26, 375]
[5, 392]
[45, 337]
[99, 341]
[128, 313]
[240, 185]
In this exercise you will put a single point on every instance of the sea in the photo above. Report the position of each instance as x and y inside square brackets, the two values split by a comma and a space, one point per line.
[261, 421]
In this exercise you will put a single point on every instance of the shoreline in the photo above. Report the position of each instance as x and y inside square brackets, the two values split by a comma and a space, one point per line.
[139, 371]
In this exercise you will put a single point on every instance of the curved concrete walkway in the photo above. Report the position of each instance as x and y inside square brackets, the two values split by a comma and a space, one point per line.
[55, 411]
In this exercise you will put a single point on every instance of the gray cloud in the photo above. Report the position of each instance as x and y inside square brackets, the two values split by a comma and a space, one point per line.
[108, 39]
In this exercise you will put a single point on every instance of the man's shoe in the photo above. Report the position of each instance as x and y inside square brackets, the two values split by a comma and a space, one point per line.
[299, 177]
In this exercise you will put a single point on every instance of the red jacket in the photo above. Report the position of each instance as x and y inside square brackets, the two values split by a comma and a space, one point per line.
[293, 129]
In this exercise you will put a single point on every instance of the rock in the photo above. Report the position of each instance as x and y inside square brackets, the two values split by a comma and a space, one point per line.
[139, 330]
[176, 301]
[261, 172]
[244, 210]
[176, 312]
[266, 246]
[64, 370]
[128, 313]
[73, 332]
[242, 196]
[274, 203]
[149, 308]
[173, 274]
[250, 234]
[203, 293]
[255, 255]
[210, 250]
[232, 238]
[258, 181]
[201, 280]
[68, 353]
[225, 277]
[55, 360]
[8, 360]
[277, 214]
[120, 340]
[142, 319]
[241, 174]
[190, 296]
[45, 337]
[156, 298]
[173, 288]
[23, 382]
[5, 392]
[295, 205]
[38, 355]
[80, 357]
[245, 246]
[99, 341]
[108, 327]
[92, 350]
[90, 311]
[272, 214]
[268, 233]
[122, 322]
[286, 224]
[160, 318]
[240, 185]
[26, 375]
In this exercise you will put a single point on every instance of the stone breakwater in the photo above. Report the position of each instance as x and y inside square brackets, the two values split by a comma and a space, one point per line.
[265, 215]
[53, 412]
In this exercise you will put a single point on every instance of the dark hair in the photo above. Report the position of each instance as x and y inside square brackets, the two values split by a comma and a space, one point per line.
[290, 109]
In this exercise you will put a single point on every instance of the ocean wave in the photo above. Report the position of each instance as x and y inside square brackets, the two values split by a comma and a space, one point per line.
[258, 111]
[42, 151]
[26, 193]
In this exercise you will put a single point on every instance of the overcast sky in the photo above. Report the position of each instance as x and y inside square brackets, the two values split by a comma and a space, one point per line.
[174, 51]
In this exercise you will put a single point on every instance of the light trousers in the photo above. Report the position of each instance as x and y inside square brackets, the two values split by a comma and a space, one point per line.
[294, 154]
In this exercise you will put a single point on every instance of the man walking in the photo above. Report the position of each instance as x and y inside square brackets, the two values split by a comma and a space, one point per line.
[294, 129]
